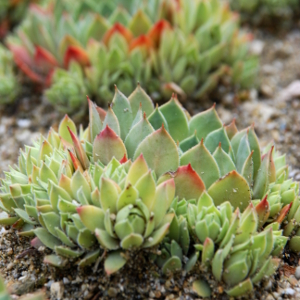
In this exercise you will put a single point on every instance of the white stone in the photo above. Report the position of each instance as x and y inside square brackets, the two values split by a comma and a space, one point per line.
[297, 272]
[257, 47]
[289, 291]
[23, 123]
[290, 92]
[57, 290]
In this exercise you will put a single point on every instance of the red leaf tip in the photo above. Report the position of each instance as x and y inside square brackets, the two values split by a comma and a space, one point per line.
[107, 132]
[124, 159]
[141, 156]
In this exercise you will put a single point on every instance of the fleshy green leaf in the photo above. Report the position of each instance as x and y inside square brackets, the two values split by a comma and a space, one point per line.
[203, 163]
[108, 145]
[163, 160]
[233, 188]
[114, 262]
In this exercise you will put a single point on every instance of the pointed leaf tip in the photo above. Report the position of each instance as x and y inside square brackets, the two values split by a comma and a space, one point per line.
[78, 54]
[124, 159]
[120, 29]
[263, 210]
[262, 204]
[165, 160]
[107, 145]
[188, 183]
[76, 163]
[283, 213]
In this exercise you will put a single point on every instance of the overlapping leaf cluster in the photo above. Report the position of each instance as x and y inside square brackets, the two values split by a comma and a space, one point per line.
[156, 180]
[183, 46]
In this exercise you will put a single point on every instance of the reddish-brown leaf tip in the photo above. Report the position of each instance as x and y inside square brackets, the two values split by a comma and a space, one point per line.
[284, 211]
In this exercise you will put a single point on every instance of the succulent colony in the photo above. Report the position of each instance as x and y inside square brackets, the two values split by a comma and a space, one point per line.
[184, 190]
[266, 11]
[183, 46]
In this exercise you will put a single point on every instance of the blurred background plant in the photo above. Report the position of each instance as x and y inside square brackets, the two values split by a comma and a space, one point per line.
[11, 13]
[187, 47]
[9, 88]
[267, 12]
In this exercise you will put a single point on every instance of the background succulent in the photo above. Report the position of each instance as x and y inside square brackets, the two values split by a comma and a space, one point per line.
[11, 13]
[9, 86]
[154, 45]
[139, 177]
[267, 12]
[67, 89]
[106, 8]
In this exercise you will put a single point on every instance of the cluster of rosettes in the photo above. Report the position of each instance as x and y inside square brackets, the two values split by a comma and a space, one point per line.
[156, 180]
[169, 46]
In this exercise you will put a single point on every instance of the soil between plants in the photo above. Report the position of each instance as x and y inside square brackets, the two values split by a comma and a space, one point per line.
[276, 117]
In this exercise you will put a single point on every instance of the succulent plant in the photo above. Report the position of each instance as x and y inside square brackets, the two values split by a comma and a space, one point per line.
[106, 8]
[175, 248]
[9, 88]
[4, 295]
[149, 46]
[141, 177]
[231, 246]
[73, 205]
[37, 55]
[133, 213]
[267, 12]
[67, 89]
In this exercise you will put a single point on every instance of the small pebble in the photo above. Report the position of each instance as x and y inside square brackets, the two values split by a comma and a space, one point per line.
[23, 123]
[57, 290]
[289, 291]
[66, 280]
[297, 272]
